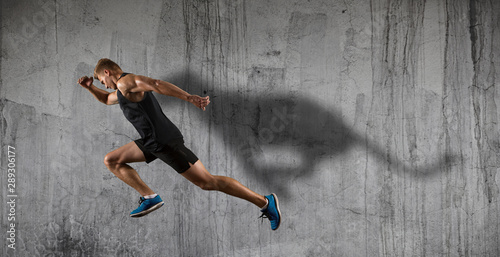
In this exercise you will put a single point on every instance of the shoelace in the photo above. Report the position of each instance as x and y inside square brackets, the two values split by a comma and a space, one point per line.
[265, 215]
[141, 199]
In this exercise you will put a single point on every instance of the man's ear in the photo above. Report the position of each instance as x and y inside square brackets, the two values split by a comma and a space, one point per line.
[106, 72]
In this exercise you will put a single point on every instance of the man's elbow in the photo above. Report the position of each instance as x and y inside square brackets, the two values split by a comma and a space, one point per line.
[109, 102]
[106, 101]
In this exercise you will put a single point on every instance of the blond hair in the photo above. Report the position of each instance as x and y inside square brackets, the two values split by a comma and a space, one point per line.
[105, 64]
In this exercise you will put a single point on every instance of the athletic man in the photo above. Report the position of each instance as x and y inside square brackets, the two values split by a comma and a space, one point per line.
[160, 138]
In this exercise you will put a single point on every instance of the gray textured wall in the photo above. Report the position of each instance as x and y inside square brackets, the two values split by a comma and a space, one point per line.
[375, 122]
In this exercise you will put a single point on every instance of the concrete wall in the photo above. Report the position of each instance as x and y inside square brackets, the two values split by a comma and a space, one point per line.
[375, 122]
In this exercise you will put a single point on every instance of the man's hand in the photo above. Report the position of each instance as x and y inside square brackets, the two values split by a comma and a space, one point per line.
[198, 101]
[85, 82]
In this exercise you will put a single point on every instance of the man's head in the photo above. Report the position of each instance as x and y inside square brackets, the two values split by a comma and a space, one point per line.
[107, 72]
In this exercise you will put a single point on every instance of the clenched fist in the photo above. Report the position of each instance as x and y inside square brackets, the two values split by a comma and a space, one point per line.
[85, 81]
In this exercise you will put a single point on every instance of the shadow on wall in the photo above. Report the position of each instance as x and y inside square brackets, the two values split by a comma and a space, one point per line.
[279, 137]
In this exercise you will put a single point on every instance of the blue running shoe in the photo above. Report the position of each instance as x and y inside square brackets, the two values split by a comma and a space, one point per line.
[146, 206]
[272, 212]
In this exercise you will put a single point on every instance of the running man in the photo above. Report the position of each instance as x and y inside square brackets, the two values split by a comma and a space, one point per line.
[160, 138]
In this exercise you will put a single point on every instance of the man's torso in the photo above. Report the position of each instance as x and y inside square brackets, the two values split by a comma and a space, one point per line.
[144, 112]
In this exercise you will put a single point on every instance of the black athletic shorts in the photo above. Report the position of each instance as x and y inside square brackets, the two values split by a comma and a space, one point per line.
[175, 154]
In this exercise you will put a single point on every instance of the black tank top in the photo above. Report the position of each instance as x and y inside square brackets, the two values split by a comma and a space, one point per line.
[155, 128]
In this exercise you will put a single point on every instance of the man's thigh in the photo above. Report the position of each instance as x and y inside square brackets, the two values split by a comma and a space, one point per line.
[126, 154]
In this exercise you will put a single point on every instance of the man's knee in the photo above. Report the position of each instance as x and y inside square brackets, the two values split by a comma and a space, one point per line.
[110, 159]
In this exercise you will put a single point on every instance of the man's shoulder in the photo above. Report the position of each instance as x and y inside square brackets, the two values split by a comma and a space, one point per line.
[127, 83]
[136, 83]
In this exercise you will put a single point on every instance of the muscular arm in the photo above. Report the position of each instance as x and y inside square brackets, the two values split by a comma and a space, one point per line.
[102, 96]
[165, 88]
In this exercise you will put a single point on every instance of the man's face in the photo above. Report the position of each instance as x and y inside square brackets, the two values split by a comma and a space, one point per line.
[105, 79]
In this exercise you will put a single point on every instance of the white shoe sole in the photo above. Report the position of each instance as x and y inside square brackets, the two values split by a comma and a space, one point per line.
[145, 212]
